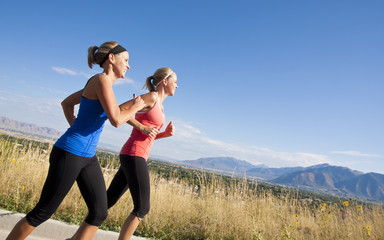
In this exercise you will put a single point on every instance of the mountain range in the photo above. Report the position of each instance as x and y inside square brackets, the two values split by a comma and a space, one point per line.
[223, 164]
[28, 128]
[335, 180]
[324, 178]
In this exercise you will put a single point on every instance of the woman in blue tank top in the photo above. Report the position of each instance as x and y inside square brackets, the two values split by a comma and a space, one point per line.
[73, 155]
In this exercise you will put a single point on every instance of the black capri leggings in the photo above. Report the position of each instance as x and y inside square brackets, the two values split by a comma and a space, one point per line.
[66, 168]
[133, 174]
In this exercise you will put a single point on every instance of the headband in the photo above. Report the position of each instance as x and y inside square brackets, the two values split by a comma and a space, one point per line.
[169, 74]
[117, 49]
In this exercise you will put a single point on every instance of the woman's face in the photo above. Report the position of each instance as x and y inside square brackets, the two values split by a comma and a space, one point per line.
[121, 64]
[172, 84]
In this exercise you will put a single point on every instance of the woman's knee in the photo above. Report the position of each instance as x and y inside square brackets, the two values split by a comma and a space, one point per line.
[96, 218]
[37, 217]
[141, 212]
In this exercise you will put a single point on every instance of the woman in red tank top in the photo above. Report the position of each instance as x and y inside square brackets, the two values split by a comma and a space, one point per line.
[133, 173]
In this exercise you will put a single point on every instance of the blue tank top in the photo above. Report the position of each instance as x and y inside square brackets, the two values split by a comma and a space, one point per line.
[82, 137]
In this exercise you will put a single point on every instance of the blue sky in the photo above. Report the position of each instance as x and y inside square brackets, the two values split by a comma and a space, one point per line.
[281, 83]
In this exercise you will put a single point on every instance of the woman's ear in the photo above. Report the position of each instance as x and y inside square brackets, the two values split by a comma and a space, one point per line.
[111, 57]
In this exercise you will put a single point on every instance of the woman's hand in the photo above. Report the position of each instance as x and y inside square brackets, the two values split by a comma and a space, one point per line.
[138, 102]
[169, 130]
[150, 131]
[68, 106]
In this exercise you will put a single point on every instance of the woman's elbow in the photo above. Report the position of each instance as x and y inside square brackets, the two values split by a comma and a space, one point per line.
[115, 122]
[66, 106]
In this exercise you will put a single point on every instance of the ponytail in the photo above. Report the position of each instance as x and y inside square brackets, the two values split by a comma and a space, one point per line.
[91, 55]
[96, 55]
[149, 84]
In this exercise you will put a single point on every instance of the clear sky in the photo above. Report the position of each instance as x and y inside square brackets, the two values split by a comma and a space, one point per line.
[275, 82]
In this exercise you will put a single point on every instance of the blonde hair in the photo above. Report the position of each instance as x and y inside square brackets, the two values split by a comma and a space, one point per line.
[152, 81]
[97, 54]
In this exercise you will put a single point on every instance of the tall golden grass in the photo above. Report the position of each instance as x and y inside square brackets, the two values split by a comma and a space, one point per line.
[180, 210]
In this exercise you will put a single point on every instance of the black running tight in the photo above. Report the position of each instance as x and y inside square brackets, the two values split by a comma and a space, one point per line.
[133, 175]
[66, 168]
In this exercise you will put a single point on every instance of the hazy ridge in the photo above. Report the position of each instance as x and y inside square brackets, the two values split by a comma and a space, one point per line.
[28, 128]
[324, 178]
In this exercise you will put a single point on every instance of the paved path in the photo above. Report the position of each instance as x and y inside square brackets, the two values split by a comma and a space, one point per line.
[49, 230]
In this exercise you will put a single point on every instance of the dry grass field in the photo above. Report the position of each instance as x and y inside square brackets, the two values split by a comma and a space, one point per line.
[182, 210]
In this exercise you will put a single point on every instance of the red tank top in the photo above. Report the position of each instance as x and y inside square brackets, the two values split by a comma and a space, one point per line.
[138, 143]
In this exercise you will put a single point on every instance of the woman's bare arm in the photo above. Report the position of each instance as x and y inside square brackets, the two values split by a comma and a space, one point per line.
[149, 100]
[150, 131]
[168, 132]
[116, 115]
[68, 106]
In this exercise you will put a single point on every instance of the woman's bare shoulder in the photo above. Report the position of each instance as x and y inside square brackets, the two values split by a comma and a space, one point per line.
[149, 98]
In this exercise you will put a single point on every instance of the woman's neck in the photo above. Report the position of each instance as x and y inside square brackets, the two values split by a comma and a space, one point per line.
[108, 72]
[161, 94]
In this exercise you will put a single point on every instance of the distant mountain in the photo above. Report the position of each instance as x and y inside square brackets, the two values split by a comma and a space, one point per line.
[370, 185]
[325, 176]
[222, 164]
[337, 180]
[271, 173]
[28, 128]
